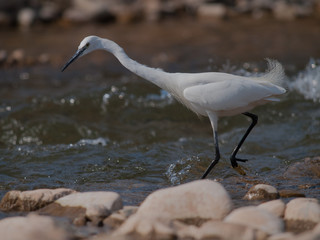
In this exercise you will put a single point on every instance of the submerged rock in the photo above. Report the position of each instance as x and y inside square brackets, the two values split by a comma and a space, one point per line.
[31, 200]
[262, 192]
[256, 218]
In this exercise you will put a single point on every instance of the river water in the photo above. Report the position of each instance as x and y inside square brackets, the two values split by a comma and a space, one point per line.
[98, 127]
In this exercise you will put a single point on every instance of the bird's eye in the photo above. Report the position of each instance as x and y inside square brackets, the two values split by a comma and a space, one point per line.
[87, 44]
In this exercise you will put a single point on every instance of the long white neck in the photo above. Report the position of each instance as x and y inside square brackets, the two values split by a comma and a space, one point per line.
[156, 76]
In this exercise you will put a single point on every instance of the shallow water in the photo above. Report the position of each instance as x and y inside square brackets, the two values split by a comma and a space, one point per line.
[106, 129]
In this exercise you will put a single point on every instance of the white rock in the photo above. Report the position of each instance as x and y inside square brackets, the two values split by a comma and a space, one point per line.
[276, 207]
[306, 209]
[97, 204]
[262, 192]
[202, 199]
[31, 227]
[256, 218]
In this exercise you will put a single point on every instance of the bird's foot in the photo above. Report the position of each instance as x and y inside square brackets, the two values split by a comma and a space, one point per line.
[234, 161]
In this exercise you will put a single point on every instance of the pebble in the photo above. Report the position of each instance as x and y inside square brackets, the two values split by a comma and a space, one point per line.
[262, 192]
[202, 199]
[276, 207]
[31, 200]
[32, 227]
[256, 218]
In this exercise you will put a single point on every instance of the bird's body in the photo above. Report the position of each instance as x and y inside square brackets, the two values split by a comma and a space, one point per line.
[210, 94]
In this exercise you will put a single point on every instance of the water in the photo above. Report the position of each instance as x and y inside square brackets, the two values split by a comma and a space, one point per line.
[110, 130]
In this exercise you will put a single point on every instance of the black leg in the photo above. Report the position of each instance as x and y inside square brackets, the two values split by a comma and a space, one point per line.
[217, 156]
[233, 158]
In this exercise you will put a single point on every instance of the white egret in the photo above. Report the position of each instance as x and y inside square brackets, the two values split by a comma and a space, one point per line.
[210, 94]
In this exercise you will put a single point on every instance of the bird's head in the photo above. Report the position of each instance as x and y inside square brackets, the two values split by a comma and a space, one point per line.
[87, 45]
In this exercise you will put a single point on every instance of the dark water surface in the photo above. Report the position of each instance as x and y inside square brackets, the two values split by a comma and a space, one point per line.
[98, 127]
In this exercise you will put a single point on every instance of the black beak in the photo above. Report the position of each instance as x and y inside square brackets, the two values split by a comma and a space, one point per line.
[75, 56]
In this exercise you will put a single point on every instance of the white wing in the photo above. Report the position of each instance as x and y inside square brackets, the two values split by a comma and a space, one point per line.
[229, 95]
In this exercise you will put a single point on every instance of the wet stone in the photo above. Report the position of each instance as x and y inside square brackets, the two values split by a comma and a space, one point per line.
[262, 192]
[31, 200]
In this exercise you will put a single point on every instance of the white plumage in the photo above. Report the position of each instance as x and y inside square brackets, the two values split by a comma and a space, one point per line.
[211, 94]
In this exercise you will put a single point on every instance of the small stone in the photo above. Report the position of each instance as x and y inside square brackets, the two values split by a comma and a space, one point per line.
[31, 200]
[262, 192]
[305, 209]
[256, 218]
[276, 207]
[31, 227]
[310, 167]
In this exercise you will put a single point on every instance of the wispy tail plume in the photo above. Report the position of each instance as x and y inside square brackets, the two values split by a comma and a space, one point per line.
[275, 73]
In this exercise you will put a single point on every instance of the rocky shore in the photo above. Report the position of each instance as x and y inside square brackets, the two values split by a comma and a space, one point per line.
[27, 13]
[200, 209]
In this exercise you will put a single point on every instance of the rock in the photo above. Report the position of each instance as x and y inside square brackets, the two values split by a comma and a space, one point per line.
[220, 230]
[31, 200]
[26, 17]
[94, 206]
[262, 192]
[32, 227]
[203, 199]
[290, 193]
[310, 167]
[305, 209]
[198, 200]
[256, 218]
[302, 214]
[276, 207]
[212, 11]
[309, 235]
